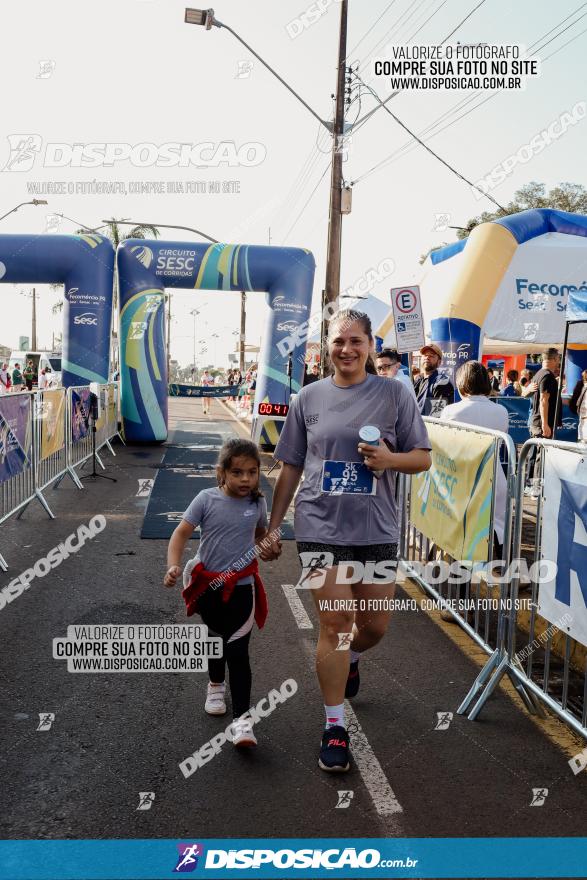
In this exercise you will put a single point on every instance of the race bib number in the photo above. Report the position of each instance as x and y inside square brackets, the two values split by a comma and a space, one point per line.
[347, 477]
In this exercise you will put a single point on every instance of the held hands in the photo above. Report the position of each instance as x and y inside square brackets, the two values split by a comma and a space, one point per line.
[172, 575]
[377, 458]
[271, 550]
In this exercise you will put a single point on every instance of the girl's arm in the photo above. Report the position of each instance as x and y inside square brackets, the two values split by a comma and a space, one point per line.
[177, 544]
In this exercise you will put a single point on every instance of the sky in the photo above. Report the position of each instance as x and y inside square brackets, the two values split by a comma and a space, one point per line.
[134, 73]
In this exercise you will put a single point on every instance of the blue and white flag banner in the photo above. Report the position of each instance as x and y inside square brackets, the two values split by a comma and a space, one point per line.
[562, 595]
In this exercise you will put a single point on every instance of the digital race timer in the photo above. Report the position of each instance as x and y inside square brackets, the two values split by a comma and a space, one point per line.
[273, 409]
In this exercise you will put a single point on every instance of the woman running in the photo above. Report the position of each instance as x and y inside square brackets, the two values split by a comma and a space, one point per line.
[222, 583]
[345, 509]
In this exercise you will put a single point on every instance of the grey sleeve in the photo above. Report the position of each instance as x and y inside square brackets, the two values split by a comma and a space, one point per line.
[195, 511]
[410, 429]
[262, 520]
[293, 442]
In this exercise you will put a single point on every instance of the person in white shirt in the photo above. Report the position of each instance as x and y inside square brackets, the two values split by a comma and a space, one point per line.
[44, 380]
[477, 409]
[4, 379]
[388, 365]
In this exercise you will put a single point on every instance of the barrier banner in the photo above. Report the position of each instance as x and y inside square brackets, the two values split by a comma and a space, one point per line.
[451, 503]
[80, 413]
[111, 405]
[518, 412]
[15, 434]
[562, 594]
[178, 390]
[52, 422]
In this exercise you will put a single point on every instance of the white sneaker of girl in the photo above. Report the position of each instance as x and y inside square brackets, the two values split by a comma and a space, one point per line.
[215, 704]
[243, 736]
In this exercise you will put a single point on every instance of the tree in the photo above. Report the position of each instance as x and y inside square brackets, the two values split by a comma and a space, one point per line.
[570, 197]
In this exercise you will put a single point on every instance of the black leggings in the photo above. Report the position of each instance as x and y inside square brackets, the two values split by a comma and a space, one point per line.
[223, 619]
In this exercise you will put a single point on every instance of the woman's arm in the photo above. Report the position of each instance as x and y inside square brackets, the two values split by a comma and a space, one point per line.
[177, 543]
[284, 491]
[380, 457]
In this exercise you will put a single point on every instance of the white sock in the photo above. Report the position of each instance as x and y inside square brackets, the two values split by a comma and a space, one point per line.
[354, 656]
[334, 715]
[213, 686]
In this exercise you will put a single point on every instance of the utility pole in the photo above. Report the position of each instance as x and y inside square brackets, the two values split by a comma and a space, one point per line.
[332, 285]
[241, 360]
[34, 322]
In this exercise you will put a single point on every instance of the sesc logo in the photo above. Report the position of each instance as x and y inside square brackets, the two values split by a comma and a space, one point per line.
[88, 319]
[143, 254]
[288, 326]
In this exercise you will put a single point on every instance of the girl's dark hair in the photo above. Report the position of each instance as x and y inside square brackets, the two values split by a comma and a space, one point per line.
[232, 449]
[473, 378]
[350, 316]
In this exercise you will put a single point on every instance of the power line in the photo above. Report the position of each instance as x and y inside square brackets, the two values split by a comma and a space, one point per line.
[440, 159]
[377, 20]
[287, 234]
[368, 115]
[423, 25]
[408, 145]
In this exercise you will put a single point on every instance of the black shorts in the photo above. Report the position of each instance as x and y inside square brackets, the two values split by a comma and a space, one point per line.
[353, 553]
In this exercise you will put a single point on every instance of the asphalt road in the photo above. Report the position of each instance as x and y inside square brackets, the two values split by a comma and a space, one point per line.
[115, 735]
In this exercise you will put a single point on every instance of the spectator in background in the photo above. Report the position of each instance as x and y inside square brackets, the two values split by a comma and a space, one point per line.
[4, 379]
[578, 405]
[432, 385]
[17, 380]
[476, 408]
[29, 375]
[544, 390]
[311, 375]
[206, 381]
[510, 389]
[388, 364]
[493, 382]
[44, 380]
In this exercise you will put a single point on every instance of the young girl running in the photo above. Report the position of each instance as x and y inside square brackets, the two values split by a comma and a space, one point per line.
[221, 583]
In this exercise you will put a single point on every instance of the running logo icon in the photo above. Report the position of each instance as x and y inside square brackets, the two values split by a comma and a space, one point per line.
[46, 719]
[344, 799]
[539, 796]
[187, 861]
[146, 799]
[23, 151]
[444, 719]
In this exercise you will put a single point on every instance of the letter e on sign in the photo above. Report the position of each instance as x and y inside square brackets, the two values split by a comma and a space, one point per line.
[408, 318]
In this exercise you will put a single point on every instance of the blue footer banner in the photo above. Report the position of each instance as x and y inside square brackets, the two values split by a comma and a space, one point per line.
[337, 858]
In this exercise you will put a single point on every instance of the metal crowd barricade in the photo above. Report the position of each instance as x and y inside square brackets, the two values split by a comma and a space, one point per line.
[79, 434]
[419, 555]
[18, 490]
[548, 679]
[107, 426]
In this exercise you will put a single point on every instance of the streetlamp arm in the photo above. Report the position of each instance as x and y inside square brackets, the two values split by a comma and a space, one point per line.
[163, 226]
[274, 72]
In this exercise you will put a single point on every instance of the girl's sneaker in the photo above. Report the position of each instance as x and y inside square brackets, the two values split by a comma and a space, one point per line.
[243, 736]
[215, 704]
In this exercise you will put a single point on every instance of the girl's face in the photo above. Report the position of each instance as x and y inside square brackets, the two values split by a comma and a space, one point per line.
[241, 476]
[349, 347]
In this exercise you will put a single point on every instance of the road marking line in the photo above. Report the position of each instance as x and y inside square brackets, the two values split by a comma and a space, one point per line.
[297, 607]
[372, 774]
[382, 794]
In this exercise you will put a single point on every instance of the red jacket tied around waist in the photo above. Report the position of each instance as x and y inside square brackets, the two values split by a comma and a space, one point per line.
[201, 580]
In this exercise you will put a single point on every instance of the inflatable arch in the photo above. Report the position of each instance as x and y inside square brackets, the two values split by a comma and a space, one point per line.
[84, 264]
[146, 268]
[510, 281]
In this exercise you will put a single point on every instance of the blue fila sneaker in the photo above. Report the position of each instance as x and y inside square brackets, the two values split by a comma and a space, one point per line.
[334, 750]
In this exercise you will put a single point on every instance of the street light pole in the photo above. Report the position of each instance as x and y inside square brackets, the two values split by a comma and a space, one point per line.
[34, 202]
[332, 285]
[34, 322]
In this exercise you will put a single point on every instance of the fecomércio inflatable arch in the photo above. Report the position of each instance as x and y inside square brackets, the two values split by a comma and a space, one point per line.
[84, 264]
[509, 280]
[146, 268]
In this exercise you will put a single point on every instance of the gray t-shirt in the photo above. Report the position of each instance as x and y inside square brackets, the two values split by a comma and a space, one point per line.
[227, 527]
[334, 504]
